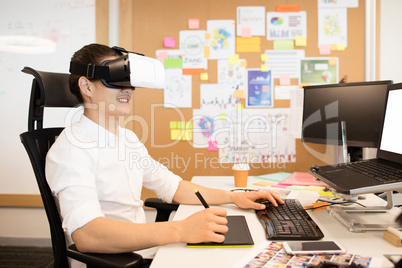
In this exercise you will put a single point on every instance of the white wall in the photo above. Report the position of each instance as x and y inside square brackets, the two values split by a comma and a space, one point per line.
[391, 41]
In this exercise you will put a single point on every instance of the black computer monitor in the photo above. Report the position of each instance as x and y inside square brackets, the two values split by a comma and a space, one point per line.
[361, 105]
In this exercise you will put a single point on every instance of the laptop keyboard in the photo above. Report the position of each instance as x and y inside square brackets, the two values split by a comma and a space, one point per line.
[375, 170]
[288, 222]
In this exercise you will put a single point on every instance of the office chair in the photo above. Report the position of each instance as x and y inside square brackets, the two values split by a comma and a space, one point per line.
[52, 90]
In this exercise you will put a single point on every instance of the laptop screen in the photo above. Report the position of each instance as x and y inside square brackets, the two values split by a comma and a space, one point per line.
[391, 139]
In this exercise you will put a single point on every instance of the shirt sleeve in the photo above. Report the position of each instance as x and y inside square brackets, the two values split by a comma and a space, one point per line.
[69, 175]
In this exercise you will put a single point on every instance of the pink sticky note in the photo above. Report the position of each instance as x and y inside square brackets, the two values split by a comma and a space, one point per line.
[193, 24]
[162, 55]
[212, 146]
[245, 32]
[284, 80]
[325, 49]
[169, 42]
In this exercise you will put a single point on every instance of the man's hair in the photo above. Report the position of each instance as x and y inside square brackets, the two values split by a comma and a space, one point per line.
[94, 54]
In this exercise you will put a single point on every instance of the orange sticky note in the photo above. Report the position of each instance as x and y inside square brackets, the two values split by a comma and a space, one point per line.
[332, 61]
[246, 32]
[207, 52]
[287, 8]
[238, 93]
[193, 24]
[325, 49]
[304, 85]
[284, 80]
[334, 47]
[207, 36]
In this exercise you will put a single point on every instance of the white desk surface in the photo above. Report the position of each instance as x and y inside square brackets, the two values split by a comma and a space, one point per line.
[366, 244]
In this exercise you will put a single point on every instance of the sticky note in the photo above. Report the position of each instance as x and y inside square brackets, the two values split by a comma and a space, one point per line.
[173, 63]
[187, 135]
[283, 44]
[263, 183]
[204, 76]
[222, 115]
[173, 124]
[193, 24]
[252, 44]
[264, 68]
[234, 59]
[301, 41]
[243, 64]
[333, 47]
[239, 107]
[304, 85]
[181, 124]
[189, 125]
[315, 188]
[340, 47]
[284, 80]
[264, 57]
[207, 52]
[287, 8]
[169, 42]
[207, 36]
[325, 49]
[175, 134]
[238, 93]
[332, 61]
[162, 55]
[246, 32]
[212, 146]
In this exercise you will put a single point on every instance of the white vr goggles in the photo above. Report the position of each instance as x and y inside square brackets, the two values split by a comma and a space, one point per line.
[130, 70]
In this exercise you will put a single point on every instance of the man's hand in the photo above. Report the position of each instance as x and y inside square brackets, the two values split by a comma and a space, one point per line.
[207, 225]
[247, 199]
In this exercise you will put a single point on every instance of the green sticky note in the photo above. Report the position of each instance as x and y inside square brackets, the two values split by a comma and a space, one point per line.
[284, 44]
[277, 177]
[173, 63]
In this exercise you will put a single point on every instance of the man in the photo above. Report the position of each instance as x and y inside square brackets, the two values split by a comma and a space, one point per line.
[98, 186]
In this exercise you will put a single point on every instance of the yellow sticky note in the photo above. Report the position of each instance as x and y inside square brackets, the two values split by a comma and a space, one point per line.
[207, 36]
[204, 76]
[173, 124]
[181, 124]
[304, 85]
[264, 57]
[243, 64]
[189, 125]
[264, 68]
[207, 52]
[187, 135]
[315, 188]
[340, 47]
[264, 183]
[252, 44]
[332, 61]
[222, 115]
[239, 107]
[175, 134]
[301, 41]
[234, 59]
[238, 93]
[333, 47]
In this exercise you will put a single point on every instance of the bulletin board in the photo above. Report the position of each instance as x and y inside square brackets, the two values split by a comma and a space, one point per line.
[144, 25]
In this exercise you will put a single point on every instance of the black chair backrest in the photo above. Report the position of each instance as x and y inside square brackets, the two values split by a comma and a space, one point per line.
[48, 90]
[37, 144]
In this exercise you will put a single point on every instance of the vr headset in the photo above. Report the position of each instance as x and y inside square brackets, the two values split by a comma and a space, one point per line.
[130, 70]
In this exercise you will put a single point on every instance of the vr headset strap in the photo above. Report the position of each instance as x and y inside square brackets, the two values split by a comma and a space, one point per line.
[90, 71]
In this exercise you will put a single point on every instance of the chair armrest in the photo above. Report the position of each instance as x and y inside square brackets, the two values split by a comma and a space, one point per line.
[163, 209]
[129, 259]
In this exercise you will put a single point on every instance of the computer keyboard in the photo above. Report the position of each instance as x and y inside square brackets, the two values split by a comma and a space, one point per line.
[375, 170]
[288, 222]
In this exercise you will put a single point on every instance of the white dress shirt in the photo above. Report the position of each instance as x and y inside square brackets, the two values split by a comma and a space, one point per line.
[93, 173]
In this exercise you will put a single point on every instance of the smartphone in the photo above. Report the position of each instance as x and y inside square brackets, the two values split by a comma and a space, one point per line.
[311, 247]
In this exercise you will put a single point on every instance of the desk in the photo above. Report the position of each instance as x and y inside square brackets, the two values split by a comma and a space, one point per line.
[178, 255]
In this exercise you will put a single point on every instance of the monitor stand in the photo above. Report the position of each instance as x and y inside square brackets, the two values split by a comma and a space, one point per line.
[341, 213]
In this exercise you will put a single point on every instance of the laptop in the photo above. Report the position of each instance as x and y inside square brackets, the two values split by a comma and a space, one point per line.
[381, 174]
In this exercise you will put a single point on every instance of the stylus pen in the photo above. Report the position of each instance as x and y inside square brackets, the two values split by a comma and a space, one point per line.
[201, 198]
